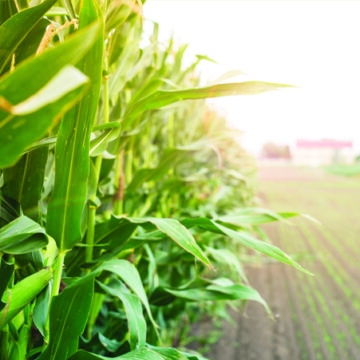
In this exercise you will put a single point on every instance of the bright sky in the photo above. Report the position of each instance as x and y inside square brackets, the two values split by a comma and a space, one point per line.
[314, 45]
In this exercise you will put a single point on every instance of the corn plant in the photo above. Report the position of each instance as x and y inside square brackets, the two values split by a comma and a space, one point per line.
[108, 234]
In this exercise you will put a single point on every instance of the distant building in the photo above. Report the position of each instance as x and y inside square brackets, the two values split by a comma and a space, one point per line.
[322, 152]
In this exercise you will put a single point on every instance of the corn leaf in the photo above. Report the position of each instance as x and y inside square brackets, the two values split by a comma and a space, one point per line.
[214, 292]
[69, 312]
[17, 132]
[134, 313]
[256, 216]
[160, 99]
[21, 236]
[28, 121]
[41, 309]
[174, 354]
[109, 236]
[141, 354]
[175, 231]
[30, 44]
[129, 274]
[245, 239]
[73, 145]
[14, 30]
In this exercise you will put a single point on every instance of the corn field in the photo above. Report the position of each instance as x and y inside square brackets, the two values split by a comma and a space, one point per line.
[126, 204]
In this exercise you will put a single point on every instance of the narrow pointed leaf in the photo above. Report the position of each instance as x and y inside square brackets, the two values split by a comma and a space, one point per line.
[256, 216]
[215, 292]
[163, 98]
[245, 239]
[175, 231]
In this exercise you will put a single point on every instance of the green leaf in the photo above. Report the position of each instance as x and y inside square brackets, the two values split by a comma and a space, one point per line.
[129, 274]
[160, 99]
[141, 354]
[175, 231]
[69, 312]
[134, 313]
[221, 289]
[15, 29]
[256, 216]
[18, 87]
[169, 353]
[41, 310]
[30, 44]
[109, 236]
[68, 79]
[7, 9]
[175, 354]
[73, 144]
[22, 294]
[245, 239]
[21, 236]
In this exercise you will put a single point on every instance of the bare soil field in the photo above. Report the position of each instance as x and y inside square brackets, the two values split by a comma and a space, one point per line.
[316, 317]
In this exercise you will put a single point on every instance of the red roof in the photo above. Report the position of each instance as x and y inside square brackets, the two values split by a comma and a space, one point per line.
[332, 144]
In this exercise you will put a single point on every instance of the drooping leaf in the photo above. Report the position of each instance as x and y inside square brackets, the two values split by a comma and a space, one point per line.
[68, 79]
[21, 236]
[245, 239]
[134, 314]
[72, 147]
[129, 274]
[215, 292]
[15, 29]
[69, 312]
[175, 231]
[18, 87]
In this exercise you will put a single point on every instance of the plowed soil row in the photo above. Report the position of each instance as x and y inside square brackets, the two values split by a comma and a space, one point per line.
[315, 317]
